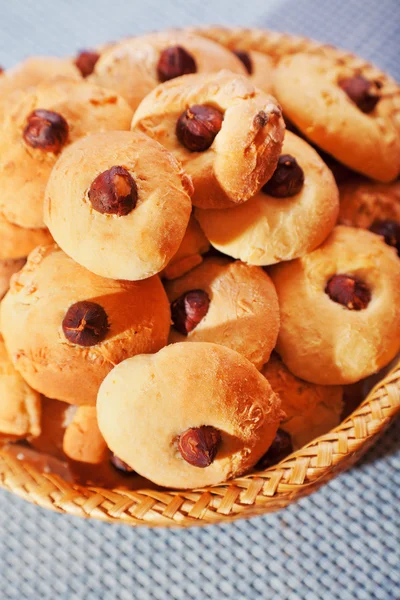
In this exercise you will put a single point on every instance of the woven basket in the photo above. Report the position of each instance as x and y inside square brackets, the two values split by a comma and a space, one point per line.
[258, 493]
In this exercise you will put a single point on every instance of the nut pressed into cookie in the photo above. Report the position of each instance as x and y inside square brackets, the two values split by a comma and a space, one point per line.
[134, 67]
[65, 328]
[227, 134]
[259, 67]
[37, 128]
[350, 112]
[227, 303]
[290, 216]
[190, 415]
[119, 204]
[339, 305]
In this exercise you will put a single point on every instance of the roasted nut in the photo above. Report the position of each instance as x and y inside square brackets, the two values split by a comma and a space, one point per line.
[246, 60]
[174, 62]
[85, 323]
[121, 465]
[199, 445]
[390, 230]
[86, 61]
[114, 192]
[188, 310]
[364, 93]
[280, 448]
[287, 179]
[197, 127]
[348, 291]
[46, 130]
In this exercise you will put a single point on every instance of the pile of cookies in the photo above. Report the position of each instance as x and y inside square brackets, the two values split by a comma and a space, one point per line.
[205, 246]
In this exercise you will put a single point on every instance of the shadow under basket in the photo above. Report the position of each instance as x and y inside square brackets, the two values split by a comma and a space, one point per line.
[258, 493]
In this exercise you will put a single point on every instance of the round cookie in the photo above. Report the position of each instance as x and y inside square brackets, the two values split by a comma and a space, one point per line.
[134, 67]
[340, 308]
[83, 441]
[227, 303]
[351, 113]
[371, 205]
[37, 128]
[311, 410]
[290, 216]
[227, 134]
[30, 72]
[118, 203]
[259, 67]
[65, 328]
[7, 269]
[17, 242]
[189, 416]
[189, 254]
[20, 406]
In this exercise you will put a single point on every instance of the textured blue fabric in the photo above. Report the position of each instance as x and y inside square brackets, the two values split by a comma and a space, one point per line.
[343, 541]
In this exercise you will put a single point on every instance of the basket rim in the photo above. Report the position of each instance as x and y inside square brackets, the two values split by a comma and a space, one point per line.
[256, 493]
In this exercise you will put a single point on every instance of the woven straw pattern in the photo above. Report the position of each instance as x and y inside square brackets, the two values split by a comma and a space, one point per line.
[298, 475]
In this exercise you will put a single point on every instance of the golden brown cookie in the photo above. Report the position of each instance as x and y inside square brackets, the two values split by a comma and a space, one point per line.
[17, 242]
[134, 67]
[227, 134]
[189, 254]
[290, 216]
[118, 203]
[348, 112]
[83, 441]
[20, 407]
[7, 269]
[189, 416]
[310, 409]
[35, 130]
[259, 67]
[227, 303]
[371, 205]
[65, 328]
[340, 308]
[56, 416]
[30, 72]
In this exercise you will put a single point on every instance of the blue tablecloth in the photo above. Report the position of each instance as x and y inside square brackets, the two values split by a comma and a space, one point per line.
[342, 542]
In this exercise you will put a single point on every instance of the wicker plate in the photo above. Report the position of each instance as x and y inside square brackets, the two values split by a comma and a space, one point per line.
[298, 475]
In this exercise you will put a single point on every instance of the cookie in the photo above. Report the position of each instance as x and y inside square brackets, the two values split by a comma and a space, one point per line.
[65, 328]
[45, 120]
[7, 269]
[56, 416]
[340, 308]
[189, 416]
[20, 407]
[227, 134]
[311, 410]
[259, 67]
[371, 205]
[351, 113]
[17, 242]
[134, 67]
[30, 72]
[118, 203]
[227, 303]
[83, 441]
[289, 217]
[190, 252]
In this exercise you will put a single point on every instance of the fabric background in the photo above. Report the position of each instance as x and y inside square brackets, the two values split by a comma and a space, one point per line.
[343, 541]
